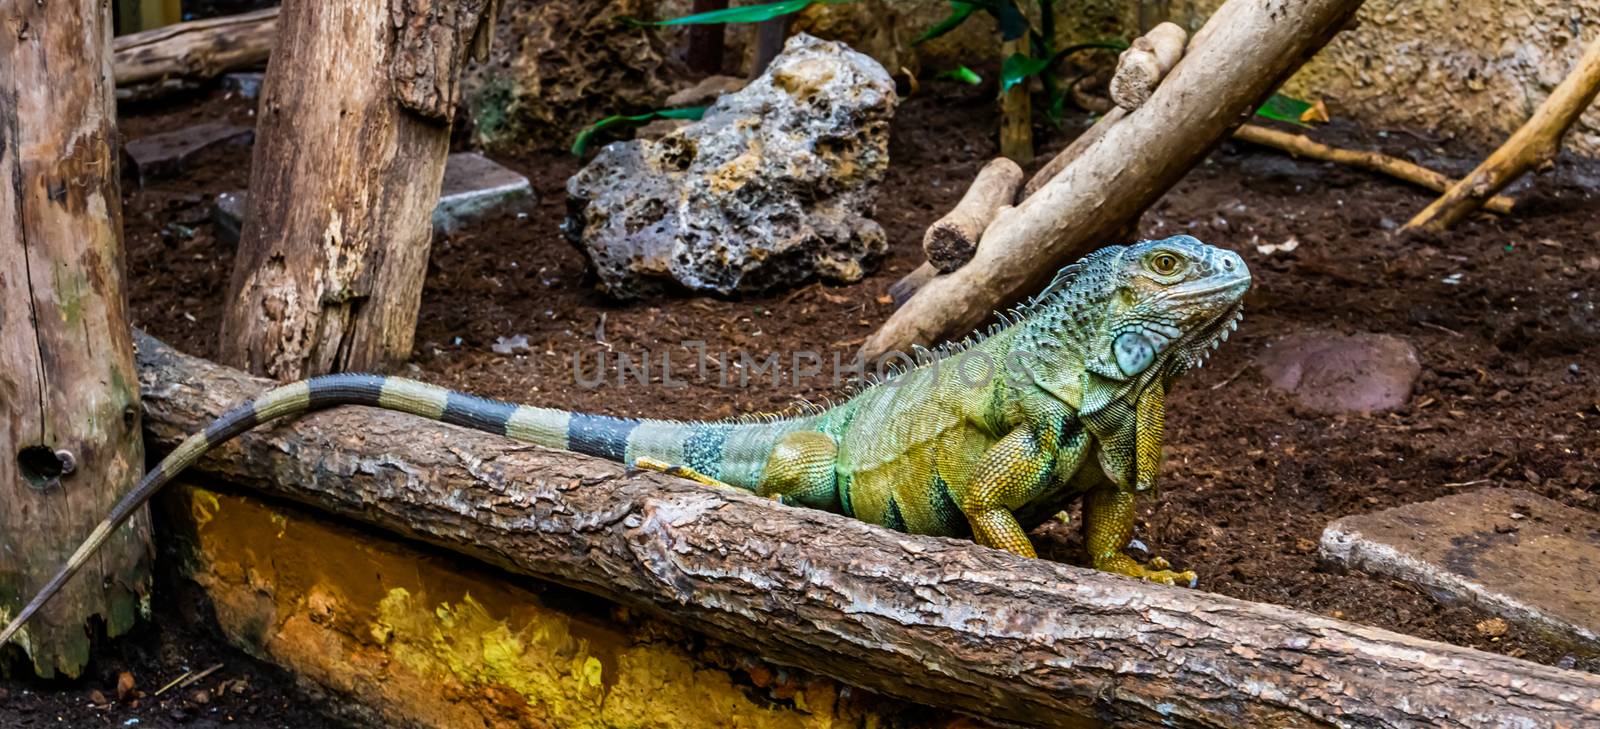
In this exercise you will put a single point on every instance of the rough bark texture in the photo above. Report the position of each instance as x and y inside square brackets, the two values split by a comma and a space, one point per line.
[1066, 156]
[195, 50]
[1243, 53]
[937, 621]
[1534, 145]
[346, 174]
[952, 240]
[69, 416]
[1016, 112]
[1148, 60]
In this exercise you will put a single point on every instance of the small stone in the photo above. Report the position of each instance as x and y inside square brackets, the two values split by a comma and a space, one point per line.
[163, 155]
[774, 186]
[1493, 627]
[125, 686]
[475, 187]
[1304, 546]
[97, 698]
[1331, 372]
[201, 697]
[247, 84]
[1460, 549]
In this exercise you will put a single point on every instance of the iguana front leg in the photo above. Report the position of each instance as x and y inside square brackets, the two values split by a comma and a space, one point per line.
[1108, 527]
[1013, 471]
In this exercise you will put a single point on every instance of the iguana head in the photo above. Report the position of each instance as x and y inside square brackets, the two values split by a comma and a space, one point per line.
[1153, 308]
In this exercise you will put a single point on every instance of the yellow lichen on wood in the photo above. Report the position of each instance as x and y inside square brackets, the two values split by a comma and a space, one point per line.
[431, 639]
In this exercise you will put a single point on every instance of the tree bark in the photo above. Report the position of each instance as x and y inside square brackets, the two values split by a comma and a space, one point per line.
[69, 416]
[1244, 52]
[1148, 60]
[706, 40]
[1535, 144]
[938, 621]
[350, 153]
[952, 240]
[770, 37]
[196, 50]
[1016, 112]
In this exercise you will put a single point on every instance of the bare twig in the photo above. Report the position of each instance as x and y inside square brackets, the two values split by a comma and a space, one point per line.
[1533, 145]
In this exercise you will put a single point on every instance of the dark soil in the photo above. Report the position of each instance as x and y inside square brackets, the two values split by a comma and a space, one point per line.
[1508, 394]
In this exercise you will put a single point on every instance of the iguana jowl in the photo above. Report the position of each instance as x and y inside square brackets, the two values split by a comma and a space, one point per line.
[985, 439]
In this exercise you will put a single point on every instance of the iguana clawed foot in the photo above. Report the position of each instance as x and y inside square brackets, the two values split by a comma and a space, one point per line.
[1156, 570]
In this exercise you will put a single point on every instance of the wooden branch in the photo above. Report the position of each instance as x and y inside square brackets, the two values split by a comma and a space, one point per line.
[706, 40]
[69, 421]
[1243, 53]
[197, 50]
[1016, 112]
[346, 174]
[1066, 156]
[902, 290]
[1299, 145]
[1533, 145]
[938, 621]
[1148, 60]
[952, 239]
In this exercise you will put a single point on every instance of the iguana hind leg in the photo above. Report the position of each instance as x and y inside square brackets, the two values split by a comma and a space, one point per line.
[1108, 527]
[802, 470]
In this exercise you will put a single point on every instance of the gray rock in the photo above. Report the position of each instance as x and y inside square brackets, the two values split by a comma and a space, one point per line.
[247, 84]
[164, 155]
[475, 187]
[1530, 560]
[774, 186]
[1331, 372]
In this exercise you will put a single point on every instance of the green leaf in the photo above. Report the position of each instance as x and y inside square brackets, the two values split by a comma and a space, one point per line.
[959, 12]
[740, 14]
[1285, 109]
[963, 74]
[1013, 24]
[580, 144]
[1018, 68]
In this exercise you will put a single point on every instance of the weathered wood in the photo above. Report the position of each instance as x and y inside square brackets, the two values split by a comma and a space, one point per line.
[1244, 52]
[952, 240]
[196, 50]
[346, 173]
[938, 621]
[69, 416]
[1016, 112]
[704, 54]
[1148, 60]
[1534, 145]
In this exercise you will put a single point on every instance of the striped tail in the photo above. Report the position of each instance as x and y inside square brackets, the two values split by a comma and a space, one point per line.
[732, 452]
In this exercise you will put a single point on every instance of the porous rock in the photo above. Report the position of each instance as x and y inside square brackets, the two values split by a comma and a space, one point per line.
[773, 186]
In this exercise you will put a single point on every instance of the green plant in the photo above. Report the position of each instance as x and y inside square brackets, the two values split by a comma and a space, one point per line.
[580, 144]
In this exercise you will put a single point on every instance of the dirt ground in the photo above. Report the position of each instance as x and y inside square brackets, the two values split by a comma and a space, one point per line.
[1509, 394]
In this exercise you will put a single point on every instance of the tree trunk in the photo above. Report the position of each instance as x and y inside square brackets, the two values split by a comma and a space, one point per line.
[706, 40]
[350, 153]
[196, 50]
[69, 416]
[1244, 52]
[937, 621]
[1016, 112]
[770, 37]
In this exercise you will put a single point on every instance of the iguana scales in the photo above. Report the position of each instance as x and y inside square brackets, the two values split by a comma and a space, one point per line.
[986, 438]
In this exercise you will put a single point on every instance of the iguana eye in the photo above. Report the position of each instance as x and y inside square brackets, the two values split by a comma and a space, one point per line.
[1164, 264]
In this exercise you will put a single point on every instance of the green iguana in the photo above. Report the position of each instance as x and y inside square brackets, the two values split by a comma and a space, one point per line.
[987, 438]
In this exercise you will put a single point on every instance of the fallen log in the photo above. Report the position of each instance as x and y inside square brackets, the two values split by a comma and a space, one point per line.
[1244, 52]
[938, 621]
[194, 51]
[1148, 60]
[952, 239]
[1533, 145]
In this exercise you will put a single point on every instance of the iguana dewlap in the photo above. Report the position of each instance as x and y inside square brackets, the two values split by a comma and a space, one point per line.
[985, 439]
